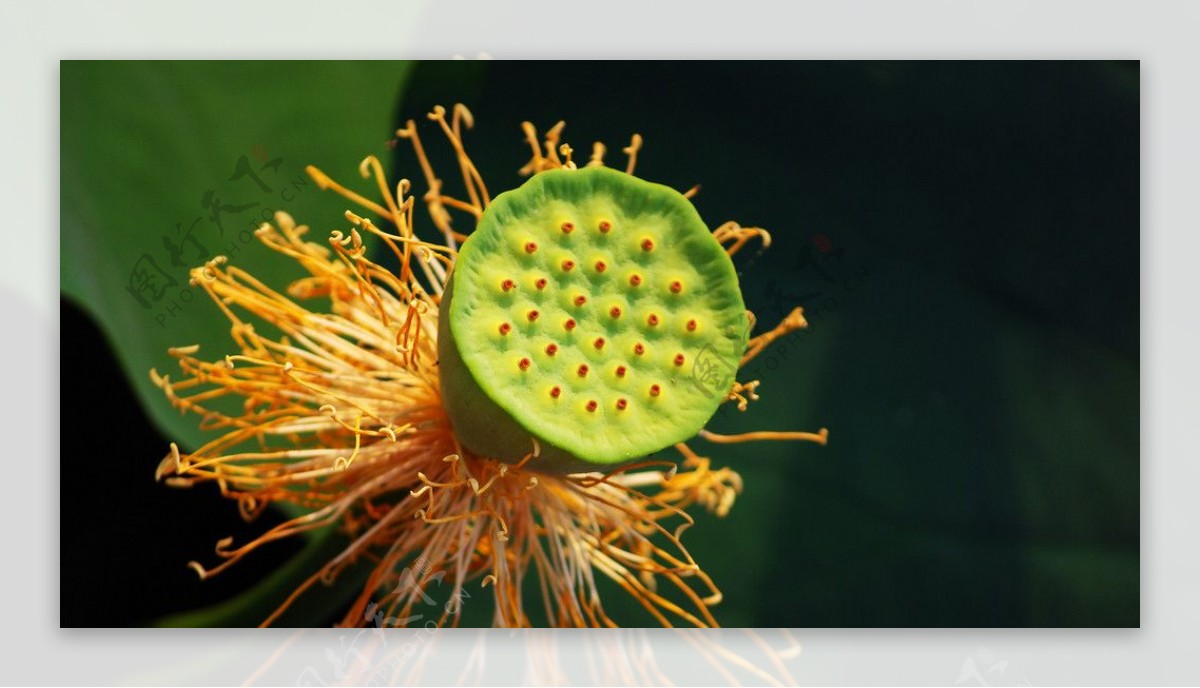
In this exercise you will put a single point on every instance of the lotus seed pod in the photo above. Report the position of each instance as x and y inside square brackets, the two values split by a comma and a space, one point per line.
[578, 315]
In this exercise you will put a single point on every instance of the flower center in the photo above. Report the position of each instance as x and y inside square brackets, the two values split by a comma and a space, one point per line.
[626, 328]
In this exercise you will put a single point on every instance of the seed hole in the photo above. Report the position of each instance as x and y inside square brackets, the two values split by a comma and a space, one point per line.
[551, 349]
[691, 325]
[615, 311]
[635, 279]
[580, 300]
[647, 244]
[652, 321]
[582, 370]
[530, 247]
[605, 227]
[567, 227]
[655, 390]
[569, 324]
[676, 287]
[639, 349]
[678, 359]
[505, 328]
[524, 363]
[541, 283]
[533, 315]
[621, 404]
[508, 285]
[592, 406]
[568, 265]
[556, 391]
[620, 371]
[600, 266]
[599, 343]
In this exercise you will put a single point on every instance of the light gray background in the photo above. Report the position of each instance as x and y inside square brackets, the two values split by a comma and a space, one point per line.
[34, 37]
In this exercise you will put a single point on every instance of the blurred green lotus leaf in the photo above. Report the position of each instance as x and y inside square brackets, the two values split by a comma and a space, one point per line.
[167, 164]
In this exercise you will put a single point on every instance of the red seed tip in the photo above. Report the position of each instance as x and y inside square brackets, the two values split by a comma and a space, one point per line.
[676, 287]
[635, 279]
[580, 300]
[605, 226]
[505, 328]
[541, 283]
[599, 343]
[639, 349]
[524, 363]
[652, 320]
[551, 349]
[655, 390]
[569, 324]
[615, 312]
[620, 371]
[678, 359]
[533, 315]
[568, 227]
[621, 404]
[691, 325]
[508, 284]
[647, 244]
[592, 406]
[583, 370]
[555, 391]
[530, 247]
[567, 265]
[600, 266]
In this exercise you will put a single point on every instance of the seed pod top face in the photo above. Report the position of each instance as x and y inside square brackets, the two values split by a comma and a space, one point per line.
[585, 306]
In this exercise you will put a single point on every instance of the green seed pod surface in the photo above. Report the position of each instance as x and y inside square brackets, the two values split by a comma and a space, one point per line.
[579, 313]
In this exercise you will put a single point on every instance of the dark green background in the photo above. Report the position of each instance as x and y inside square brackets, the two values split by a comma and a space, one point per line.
[974, 348]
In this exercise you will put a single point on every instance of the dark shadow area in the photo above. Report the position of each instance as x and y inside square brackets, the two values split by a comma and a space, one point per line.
[964, 238]
[126, 539]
